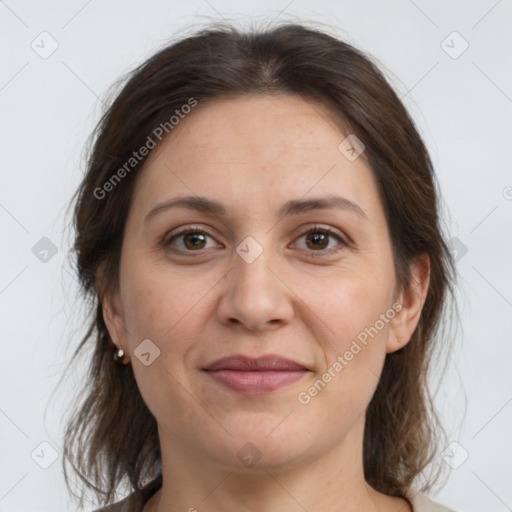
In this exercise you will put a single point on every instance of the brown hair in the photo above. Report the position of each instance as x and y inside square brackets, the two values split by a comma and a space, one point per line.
[112, 435]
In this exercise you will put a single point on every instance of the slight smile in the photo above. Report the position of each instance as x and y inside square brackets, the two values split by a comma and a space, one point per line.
[256, 376]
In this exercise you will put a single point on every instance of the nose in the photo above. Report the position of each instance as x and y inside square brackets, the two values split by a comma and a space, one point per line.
[255, 295]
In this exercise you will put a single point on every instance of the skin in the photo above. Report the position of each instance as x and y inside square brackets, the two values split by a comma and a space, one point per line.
[253, 154]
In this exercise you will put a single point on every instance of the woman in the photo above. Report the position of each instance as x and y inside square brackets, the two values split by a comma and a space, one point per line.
[258, 232]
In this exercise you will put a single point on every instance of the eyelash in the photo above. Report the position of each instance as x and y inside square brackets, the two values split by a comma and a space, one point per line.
[314, 229]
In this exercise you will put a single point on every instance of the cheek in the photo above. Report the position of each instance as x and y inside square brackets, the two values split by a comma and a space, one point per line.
[160, 310]
[154, 304]
[353, 345]
[348, 308]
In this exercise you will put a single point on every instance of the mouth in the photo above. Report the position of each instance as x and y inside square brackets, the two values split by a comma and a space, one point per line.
[255, 376]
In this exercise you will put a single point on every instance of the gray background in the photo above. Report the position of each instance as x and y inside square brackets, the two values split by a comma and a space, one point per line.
[462, 104]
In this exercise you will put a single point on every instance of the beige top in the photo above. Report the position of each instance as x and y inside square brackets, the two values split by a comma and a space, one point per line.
[420, 502]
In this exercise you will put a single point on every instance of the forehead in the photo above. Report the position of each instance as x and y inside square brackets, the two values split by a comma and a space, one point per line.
[243, 148]
[243, 126]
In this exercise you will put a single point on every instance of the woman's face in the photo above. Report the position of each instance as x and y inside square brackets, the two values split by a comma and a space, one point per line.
[261, 277]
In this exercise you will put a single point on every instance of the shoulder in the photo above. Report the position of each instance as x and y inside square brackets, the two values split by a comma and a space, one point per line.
[131, 503]
[422, 503]
[135, 502]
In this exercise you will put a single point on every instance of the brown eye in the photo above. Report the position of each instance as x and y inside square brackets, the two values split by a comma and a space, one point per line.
[194, 240]
[190, 240]
[319, 239]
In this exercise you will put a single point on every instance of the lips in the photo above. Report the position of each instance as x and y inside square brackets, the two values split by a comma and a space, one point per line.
[254, 376]
[262, 364]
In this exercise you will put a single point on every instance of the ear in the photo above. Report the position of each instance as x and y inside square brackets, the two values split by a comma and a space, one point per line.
[114, 319]
[412, 300]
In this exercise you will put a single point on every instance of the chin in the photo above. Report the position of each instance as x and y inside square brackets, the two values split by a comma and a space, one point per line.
[255, 448]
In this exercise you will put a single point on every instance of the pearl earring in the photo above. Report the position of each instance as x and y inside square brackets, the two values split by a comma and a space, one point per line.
[120, 357]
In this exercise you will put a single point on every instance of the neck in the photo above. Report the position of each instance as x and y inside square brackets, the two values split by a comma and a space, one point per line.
[333, 480]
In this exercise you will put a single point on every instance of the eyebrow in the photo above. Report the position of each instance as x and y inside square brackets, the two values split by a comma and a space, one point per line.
[292, 207]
